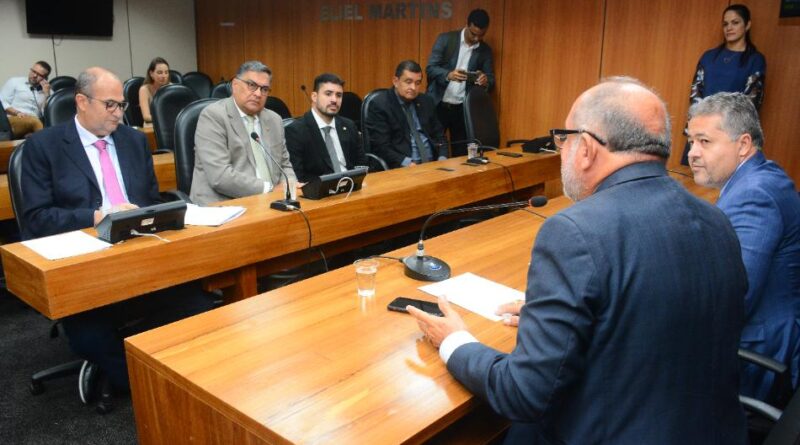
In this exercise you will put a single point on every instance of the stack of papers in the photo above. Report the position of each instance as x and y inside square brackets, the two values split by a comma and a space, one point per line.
[211, 216]
[65, 245]
[475, 293]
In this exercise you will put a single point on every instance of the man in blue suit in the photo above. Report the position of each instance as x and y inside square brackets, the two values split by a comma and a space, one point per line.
[74, 174]
[631, 321]
[764, 208]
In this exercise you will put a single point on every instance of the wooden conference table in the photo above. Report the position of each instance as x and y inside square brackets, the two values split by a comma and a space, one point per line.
[314, 363]
[239, 249]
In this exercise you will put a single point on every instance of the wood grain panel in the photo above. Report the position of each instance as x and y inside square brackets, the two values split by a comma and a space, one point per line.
[552, 55]
[220, 37]
[779, 41]
[659, 42]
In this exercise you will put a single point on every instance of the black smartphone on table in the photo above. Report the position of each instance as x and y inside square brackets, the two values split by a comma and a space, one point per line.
[399, 305]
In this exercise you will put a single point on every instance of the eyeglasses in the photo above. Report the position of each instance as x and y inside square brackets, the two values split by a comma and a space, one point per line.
[252, 86]
[560, 136]
[111, 105]
[38, 73]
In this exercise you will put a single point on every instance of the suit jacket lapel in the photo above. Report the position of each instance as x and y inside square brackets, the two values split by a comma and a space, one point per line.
[75, 151]
[125, 158]
[316, 139]
[343, 132]
[241, 131]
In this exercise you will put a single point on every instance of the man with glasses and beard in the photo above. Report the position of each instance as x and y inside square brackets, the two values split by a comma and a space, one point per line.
[24, 98]
[75, 173]
[228, 162]
[631, 321]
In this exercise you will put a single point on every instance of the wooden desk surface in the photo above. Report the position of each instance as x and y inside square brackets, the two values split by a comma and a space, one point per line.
[164, 165]
[314, 363]
[68, 286]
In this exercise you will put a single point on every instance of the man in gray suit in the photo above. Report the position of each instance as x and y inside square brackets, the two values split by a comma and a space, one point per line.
[228, 162]
[631, 321]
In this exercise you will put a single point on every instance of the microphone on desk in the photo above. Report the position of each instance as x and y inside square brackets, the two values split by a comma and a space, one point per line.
[427, 268]
[287, 204]
[480, 159]
[303, 87]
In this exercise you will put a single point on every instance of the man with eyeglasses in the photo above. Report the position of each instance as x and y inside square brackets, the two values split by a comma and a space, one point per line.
[229, 163]
[459, 61]
[631, 321]
[24, 97]
[75, 173]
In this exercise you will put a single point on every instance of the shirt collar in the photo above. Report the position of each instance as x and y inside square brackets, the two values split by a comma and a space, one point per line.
[321, 123]
[464, 40]
[242, 113]
[87, 138]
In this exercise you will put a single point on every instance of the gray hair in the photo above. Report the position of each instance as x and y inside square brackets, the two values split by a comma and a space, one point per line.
[606, 110]
[253, 65]
[84, 84]
[739, 115]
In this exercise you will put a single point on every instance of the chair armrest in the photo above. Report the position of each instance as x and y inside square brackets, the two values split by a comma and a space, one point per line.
[761, 408]
[379, 160]
[175, 195]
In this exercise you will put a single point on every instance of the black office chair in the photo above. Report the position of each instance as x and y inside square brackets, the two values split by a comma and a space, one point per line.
[185, 126]
[351, 107]
[175, 77]
[36, 385]
[168, 101]
[786, 430]
[60, 107]
[375, 162]
[199, 82]
[763, 415]
[6, 132]
[277, 105]
[480, 119]
[130, 89]
[221, 90]
[62, 82]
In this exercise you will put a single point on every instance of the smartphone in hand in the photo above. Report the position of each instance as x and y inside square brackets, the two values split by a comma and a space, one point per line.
[399, 305]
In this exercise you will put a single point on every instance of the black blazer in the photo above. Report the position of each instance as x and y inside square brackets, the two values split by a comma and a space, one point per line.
[307, 150]
[440, 63]
[59, 188]
[389, 134]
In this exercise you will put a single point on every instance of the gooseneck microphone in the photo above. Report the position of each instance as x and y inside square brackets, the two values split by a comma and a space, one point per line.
[427, 268]
[303, 87]
[287, 204]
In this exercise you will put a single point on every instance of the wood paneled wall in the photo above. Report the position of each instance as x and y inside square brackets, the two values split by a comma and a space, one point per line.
[546, 53]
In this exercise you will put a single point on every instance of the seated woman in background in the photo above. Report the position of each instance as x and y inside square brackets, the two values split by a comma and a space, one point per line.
[735, 66]
[157, 76]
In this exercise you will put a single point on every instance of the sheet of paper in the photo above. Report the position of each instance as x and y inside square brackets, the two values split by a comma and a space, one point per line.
[65, 245]
[211, 216]
[475, 293]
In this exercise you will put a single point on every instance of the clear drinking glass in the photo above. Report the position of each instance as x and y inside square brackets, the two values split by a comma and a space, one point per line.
[366, 270]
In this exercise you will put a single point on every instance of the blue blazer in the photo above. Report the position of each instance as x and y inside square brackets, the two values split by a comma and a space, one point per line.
[59, 188]
[764, 208]
[630, 328]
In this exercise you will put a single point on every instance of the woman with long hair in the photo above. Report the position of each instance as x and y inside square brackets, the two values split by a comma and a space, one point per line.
[157, 76]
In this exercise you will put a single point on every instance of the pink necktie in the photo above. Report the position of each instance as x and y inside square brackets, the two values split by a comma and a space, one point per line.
[110, 181]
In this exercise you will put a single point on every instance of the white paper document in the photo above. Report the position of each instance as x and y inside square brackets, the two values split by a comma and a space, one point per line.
[65, 245]
[475, 293]
[211, 216]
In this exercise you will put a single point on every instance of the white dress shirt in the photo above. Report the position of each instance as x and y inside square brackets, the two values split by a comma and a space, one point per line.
[87, 140]
[17, 94]
[455, 92]
[337, 145]
[257, 128]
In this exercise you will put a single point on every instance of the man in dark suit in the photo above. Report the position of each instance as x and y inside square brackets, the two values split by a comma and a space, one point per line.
[74, 174]
[401, 120]
[321, 142]
[762, 203]
[630, 326]
[454, 55]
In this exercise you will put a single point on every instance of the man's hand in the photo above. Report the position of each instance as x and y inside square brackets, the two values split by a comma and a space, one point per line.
[510, 312]
[45, 87]
[483, 79]
[436, 329]
[99, 214]
[457, 76]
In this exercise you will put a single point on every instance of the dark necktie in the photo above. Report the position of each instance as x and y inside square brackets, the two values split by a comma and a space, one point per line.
[337, 166]
[421, 148]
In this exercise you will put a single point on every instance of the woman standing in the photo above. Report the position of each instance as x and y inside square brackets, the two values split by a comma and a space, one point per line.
[733, 66]
[157, 76]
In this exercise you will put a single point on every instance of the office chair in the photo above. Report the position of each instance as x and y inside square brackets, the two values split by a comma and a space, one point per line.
[61, 82]
[130, 89]
[351, 107]
[36, 385]
[60, 107]
[6, 132]
[376, 163]
[185, 126]
[175, 77]
[480, 119]
[168, 101]
[764, 415]
[221, 90]
[199, 82]
[277, 105]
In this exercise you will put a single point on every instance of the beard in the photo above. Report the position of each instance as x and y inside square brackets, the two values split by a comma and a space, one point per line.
[570, 182]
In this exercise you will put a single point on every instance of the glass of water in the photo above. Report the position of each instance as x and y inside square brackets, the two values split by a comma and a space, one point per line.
[366, 270]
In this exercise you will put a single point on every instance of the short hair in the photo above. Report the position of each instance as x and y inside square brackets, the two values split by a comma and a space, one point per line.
[85, 82]
[606, 110]
[739, 115]
[153, 63]
[327, 78]
[407, 65]
[253, 65]
[45, 65]
[479, 18]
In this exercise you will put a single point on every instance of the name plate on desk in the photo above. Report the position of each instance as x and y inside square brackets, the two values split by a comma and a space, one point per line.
[116, 227]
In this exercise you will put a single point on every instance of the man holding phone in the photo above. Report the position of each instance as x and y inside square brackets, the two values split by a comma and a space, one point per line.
[459, 60]
[24, 98]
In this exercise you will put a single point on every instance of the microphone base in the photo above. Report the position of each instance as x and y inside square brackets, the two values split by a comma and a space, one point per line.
[284, 205]
[426, 268]
[480, 160]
